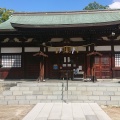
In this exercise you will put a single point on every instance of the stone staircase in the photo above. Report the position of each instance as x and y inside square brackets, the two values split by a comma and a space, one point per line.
[83, 92]
[6, 86]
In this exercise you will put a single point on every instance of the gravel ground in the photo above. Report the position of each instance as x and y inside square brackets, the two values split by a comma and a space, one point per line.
[17, 112]
[113, 112]
[14, 112]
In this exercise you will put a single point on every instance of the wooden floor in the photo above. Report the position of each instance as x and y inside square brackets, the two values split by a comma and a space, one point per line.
[67, 111]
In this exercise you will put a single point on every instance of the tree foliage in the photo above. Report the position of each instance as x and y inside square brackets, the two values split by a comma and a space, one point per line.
[4, 14]
[95, 6]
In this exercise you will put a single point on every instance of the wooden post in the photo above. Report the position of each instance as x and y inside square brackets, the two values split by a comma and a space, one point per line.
[41, 74]
[93, 60]
[112, 58]
[23, 59]
[88, 63]
[46, 64]
[41, 71]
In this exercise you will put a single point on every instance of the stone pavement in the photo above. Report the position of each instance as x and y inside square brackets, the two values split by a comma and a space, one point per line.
[66, 111]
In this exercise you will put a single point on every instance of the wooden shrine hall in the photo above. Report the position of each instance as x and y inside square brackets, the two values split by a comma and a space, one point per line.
[67, 38]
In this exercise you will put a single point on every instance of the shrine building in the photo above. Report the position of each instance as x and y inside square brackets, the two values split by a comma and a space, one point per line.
[71, 40]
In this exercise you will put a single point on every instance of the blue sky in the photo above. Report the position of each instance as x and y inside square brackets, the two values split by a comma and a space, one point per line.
[49, 5]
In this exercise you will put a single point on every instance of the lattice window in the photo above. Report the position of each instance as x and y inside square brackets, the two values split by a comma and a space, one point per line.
[117, 60]
[105, 60]
[9, 61]
[96, 60]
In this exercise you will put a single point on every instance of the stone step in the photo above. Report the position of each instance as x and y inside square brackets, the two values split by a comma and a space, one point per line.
[71, 88]
[29, 93]
[36, 88]
[39, 84]
[60, 92]
[33, 99]
[6, 86]
[71, 83]
[59, 96]
[29, 97]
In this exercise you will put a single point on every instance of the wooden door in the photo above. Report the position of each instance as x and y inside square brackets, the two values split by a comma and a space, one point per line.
[32, 66]
[64, 62]
[102, 67]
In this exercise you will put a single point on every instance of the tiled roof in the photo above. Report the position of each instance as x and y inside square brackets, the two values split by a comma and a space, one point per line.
[62, 18]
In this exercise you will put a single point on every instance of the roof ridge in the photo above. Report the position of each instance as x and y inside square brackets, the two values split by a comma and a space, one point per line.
[68, 12]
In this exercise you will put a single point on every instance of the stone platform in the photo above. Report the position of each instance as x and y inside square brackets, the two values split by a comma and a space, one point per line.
[66, 111]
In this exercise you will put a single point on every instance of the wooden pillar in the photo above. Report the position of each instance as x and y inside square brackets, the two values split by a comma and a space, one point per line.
[112, 58]
[87, 62]
[46, 64]
[89, 69]
[92, 57]
[92, 67]
[92, 48]
[41, 64]
[41, 73]
[23, 60]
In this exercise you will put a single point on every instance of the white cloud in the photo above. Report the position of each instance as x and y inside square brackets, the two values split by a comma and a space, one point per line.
[116, 0]
[115, 4]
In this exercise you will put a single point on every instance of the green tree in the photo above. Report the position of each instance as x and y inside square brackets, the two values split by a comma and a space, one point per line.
[95, 6]
[4, 14]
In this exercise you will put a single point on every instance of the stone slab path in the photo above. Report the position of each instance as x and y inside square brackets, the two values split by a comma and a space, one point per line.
[67, 111]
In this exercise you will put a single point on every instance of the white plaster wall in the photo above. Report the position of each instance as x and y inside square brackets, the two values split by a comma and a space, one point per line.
[52, 49]
[76, 39]
[103, 48]
[81, 48]
[117, 48]
[11, 49]
[32, 49]
[56, 39]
